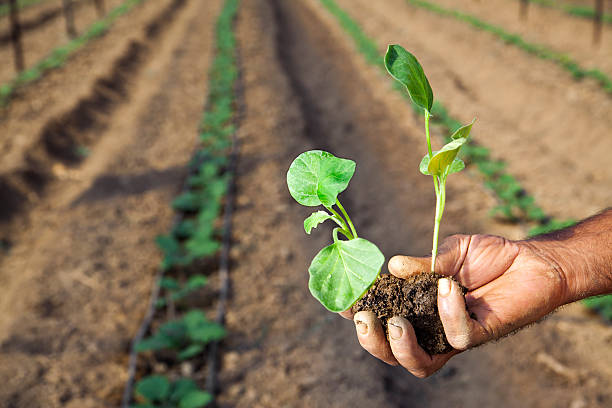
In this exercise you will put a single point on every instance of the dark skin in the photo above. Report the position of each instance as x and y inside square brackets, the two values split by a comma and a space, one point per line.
[510, 284]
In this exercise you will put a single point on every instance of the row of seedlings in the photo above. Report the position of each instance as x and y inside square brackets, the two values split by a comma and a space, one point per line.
[515, 204]
[173, 354]
[539, 50]
[58, 56]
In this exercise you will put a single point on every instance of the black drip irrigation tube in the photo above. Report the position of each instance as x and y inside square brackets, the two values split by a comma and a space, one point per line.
[212, 358]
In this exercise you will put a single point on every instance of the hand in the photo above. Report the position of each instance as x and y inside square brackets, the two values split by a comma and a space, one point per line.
[510, 284]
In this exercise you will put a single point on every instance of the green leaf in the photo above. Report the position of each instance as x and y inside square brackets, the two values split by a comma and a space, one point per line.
[196, 282]
[342, 272]
[444, 157]
[195, 399]
[182, 387]
[423, 167]
[315, 219]
[456, 166]
[153, 388]
[168, 283]
[190, 351]
[317, 177]
[404, 67]
[463, 131]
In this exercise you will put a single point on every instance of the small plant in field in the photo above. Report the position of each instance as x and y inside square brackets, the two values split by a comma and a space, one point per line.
[157, 391]
[175, 291]
[188, 335]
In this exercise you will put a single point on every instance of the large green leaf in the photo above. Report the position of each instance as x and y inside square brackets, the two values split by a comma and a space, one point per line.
[315, 219]
[153, 388]
[444, 157]
[317, 177]
[342, 272]
[404, 67]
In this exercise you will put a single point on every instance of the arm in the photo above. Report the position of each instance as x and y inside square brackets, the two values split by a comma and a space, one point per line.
[510, 284]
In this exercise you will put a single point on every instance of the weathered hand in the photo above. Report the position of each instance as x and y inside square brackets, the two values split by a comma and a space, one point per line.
[510, 284]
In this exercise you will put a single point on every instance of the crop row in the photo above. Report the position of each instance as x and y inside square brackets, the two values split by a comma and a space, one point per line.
[58, 56]
[539, 50]
[573, 9]
[194, 242]
[514, 202]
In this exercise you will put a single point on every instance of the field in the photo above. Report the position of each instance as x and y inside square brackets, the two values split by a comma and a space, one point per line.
[160, 146]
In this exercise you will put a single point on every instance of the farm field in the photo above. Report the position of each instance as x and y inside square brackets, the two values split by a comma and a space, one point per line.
[96, 151]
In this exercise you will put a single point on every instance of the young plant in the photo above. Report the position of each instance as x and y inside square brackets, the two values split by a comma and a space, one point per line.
[188, 335]
[342, 272]
[405, 68]
[156, 391]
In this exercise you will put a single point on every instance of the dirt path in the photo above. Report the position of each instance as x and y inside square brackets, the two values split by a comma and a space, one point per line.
[76, 282]
[551, 130]
[305, 87]
[545, 25]
[44, 28]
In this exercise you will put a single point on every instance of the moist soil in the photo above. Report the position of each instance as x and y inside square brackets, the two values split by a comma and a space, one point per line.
[415, 299]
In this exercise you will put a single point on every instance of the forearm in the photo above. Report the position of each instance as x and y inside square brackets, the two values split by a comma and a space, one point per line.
[582, 255]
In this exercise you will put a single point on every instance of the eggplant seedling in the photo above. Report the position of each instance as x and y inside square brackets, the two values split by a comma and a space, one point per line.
[346, 273]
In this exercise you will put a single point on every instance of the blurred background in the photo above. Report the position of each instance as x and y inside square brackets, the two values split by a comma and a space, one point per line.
[150, 254]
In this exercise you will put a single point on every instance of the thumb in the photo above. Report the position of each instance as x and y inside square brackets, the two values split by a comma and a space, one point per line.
[451, 254]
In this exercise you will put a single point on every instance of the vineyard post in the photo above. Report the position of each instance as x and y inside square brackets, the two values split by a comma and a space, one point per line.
[598, 20]
[100, 7]
[524, 6]
[16, 35]
[69, 17]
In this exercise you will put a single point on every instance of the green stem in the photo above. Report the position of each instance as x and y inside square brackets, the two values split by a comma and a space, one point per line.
[343, 232]
[347, 218]
[337, 215]
[429, 151]
[440, 202]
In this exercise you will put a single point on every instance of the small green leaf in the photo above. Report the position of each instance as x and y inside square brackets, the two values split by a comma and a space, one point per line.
[153, 388]
[404, 67]
[315, 219]
[317, 177]
[424, 165]
[196, 282]
[182, 387]
[195, 399]
[444, 157]
[169, 283]
[463, 131]
[456, 166]
[342, 272]
[190, 351]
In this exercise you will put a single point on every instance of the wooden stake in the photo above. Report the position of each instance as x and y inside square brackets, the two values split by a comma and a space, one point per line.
[598, 21]
[524, 7]
[16, 35]
[69, 17]
[100, 7]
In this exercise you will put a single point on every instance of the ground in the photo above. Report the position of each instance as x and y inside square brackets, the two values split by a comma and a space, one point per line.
[75, 283]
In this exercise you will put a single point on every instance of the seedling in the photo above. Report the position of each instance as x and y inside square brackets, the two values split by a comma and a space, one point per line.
[188, 335]
[405, 68]
[342, 272]
[156, 391]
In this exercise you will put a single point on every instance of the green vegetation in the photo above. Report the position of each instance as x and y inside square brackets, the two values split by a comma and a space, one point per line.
[342, 272]
[406, 69]
[61, 54]
[157, 391]
[515, 203]
[175, 292]
[539, 50]
[573, 9]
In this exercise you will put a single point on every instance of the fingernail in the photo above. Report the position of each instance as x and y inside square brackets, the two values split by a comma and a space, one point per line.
[362, 328]
[444, 287]
[395, 331]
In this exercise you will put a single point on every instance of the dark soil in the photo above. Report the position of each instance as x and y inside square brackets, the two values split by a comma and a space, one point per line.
[415, 299]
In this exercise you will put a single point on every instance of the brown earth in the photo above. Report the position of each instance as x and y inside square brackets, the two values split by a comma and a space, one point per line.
[76, 283]
[306, 87]
[551, 130]
[44, 28]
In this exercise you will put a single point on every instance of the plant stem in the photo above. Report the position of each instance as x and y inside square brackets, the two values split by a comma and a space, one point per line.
[343, 224]
[347, 218]
[429, 151]
[343, 232]
[440, 202]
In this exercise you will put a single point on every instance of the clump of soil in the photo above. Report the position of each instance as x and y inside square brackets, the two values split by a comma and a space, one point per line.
[415, 299]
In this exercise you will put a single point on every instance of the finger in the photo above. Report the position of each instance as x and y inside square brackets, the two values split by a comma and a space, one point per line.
[372, 337]
[409, 354]
[405, 266]
[347, 314]
[461, 331]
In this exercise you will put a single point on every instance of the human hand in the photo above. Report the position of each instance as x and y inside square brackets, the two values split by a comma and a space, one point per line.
[510, 284]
